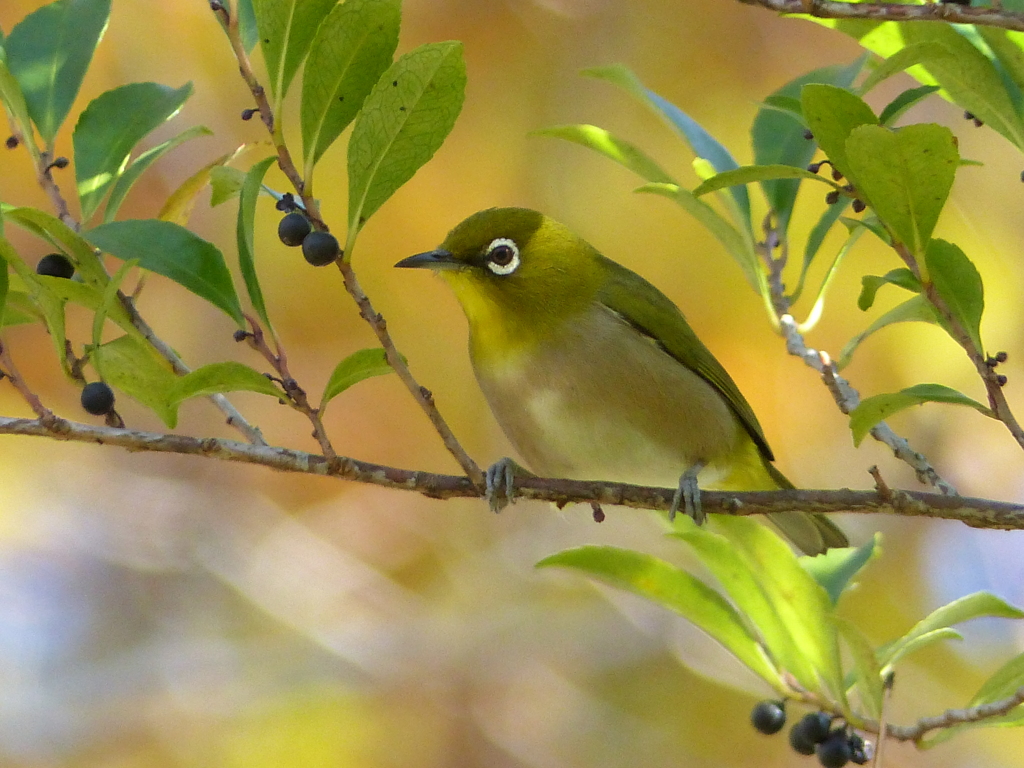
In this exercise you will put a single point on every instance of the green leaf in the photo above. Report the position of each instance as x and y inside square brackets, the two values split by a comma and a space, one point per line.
[48, 53]
[832, 113]
[108, 300]
[739, 248]
[907, 57]
[958, 283]
[135, 368]
[404, 121]
[352, 48]
[870, 284]
[110, 127]
[895, 108]
[174, 252]
[247, 25]
[674, 589]
[286, 28]
[968, 78]
[132, 173]
[56, 232]
[751, 173]
[835, 569]
[778, 138]
[1007, 48]
[917, 309]
[222, 377]
[905, 175]
[225, 183]
[19, 310]
[880, 407]
[916, 644]
[245, 233]
[1002, 684]
[619, 150]
[869, 672]
[353, 369]
[14, 104]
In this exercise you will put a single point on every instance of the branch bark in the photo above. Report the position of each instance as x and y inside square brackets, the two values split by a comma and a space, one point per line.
[948, 12]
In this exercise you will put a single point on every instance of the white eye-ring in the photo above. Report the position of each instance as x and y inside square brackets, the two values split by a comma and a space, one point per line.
[502, 256]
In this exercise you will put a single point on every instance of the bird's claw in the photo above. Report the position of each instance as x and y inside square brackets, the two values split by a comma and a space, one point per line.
[688, 495]
[500, 478]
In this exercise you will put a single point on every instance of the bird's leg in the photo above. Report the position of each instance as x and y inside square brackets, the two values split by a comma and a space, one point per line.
[688, 494]
[500, 477]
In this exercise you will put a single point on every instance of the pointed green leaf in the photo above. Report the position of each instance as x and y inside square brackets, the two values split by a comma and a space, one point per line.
[880, 407]
[172, 251]
[352, 48]
[739, 248]
[918, 309]
[55, 231]
[832, 113]
[132, 173]
[619, 150]
[222, 377]
[247, 24]
[751, 173]
[869, 672]
[225, 183]
[907, 57]
[1003, 683]
[904, 649]
[404, 121]
[17, 110]
[353, 369]
[19, 310]
[905, 175]
[835, 569]
[870, 284]
[245, 233]
[1008, 48]
[800, 602]
[48, 53]
[135, 368]
[286, 28]
[958, 283]
[895, 108]
[178, 206]
[674, 589]
[110, 127]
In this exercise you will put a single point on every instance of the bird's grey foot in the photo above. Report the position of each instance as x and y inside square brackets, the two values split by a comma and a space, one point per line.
[500, 477]
[688, 495]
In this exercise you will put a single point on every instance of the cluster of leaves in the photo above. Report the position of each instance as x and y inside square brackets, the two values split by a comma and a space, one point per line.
[777, 614]
[402, 111]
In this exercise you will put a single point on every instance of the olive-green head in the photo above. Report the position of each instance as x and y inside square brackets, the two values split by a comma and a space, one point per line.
[515, 269]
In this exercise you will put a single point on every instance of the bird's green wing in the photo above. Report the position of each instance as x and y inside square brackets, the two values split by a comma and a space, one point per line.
[653, 314]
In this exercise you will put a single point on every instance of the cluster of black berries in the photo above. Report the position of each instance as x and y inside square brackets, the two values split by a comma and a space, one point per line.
[813, 734]
[318, 248]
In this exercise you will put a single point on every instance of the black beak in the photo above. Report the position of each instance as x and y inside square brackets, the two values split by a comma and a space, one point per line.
[439, 259]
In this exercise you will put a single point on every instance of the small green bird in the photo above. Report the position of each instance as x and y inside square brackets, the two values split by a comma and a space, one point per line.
[594, 374]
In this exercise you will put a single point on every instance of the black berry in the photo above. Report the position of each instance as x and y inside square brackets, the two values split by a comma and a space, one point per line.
[810, 731]
[859, 750]
[12, 142]
[858, 205]
[320, 248]
[832, 197]
[293, 229]
[835, 752]
[98, 398]
[768, 716]
[55, 265]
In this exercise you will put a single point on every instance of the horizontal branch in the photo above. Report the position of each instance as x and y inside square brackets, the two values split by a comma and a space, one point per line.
[977, 513]
[988, 16]
[954, 717]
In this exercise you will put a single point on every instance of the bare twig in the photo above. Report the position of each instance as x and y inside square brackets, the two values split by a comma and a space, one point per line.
[950, 12]
[953, 717]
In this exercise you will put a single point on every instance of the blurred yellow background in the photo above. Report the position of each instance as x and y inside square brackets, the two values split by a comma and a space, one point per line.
[170, 611]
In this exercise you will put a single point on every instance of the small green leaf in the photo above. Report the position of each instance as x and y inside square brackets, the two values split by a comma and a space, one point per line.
[225, 183]
[110, 127]
[179, 205]
[739, 248]
[619, 150]
[832, 113]
[48, 53]
[135, 368]
[869, 672]
[895, 108]
[352, 48]
[880, 407]
[907, 57]
[55, 231]
[751, 173]
[14, 103]
[222, 377]
[132, 173]
[916, 644]
[958, 283]
[353, 369]
[917, 309]
[286, 28]
[835, 569]
[174, 252]
[247, 25]
[870, 284]
[1004, 682]
[245, 233]
[404, 121]
[905, 175]
[19, 310]
[674, 589]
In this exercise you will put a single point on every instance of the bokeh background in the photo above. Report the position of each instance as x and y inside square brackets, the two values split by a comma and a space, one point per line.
[171, 611]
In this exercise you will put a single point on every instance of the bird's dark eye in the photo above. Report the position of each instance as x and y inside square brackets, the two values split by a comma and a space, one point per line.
[502, 256]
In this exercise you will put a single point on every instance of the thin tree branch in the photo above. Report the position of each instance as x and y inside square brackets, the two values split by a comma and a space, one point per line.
[977, 513]
[954, 717]
[990, 16]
